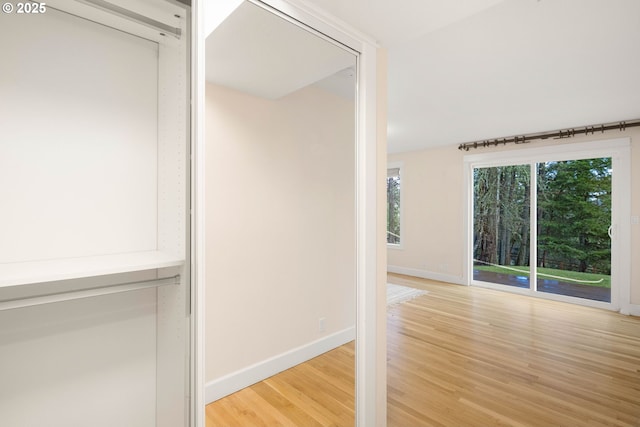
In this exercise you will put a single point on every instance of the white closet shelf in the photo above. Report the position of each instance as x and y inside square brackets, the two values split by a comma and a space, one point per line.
[22, 273]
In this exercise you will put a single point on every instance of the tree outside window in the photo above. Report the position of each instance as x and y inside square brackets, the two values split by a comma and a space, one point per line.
[393, 206]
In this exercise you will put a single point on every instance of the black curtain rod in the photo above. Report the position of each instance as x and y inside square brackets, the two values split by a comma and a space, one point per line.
[559, 134]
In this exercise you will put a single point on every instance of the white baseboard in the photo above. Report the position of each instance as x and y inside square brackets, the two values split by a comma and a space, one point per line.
[633, 310]
[238, 380]
[425, 274]
[629, 309]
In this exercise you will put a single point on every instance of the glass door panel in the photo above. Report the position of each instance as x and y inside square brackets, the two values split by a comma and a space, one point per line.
[573, 220]
[501, 225]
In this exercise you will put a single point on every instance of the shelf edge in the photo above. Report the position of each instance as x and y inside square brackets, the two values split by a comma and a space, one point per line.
[32, 272]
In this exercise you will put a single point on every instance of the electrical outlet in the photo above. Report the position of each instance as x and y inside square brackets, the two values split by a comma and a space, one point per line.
[635, 219]
[322, 324]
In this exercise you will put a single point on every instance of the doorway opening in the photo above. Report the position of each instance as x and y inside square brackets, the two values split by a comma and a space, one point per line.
[281, 133]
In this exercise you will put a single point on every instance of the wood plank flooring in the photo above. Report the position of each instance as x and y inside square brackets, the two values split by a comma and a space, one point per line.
[319, 392]
[468, 357]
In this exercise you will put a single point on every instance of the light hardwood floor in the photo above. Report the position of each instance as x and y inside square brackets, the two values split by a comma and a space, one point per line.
[319, 392]
[468, 357]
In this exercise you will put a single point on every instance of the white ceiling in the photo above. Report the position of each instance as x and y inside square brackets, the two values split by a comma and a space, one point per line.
[468, 70]
[392, 22]
[256, 52]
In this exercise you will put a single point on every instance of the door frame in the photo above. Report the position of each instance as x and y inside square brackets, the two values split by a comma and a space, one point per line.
[619, 150]
[370, 305]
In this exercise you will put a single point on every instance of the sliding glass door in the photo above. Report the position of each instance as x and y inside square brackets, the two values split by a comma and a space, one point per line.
[545, 225]
[501, 225]
[574, 222]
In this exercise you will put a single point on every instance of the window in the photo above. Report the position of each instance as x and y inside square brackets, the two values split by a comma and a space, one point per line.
[549, 221]
[393, 205]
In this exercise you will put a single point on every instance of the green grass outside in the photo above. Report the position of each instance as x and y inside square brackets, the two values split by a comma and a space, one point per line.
[606, 280]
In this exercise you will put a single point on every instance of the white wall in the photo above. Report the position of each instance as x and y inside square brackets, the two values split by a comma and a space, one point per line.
[381, 261]
[78, 149]
[280, 207]
[78, 363]
[431, 209]
[433, 201]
